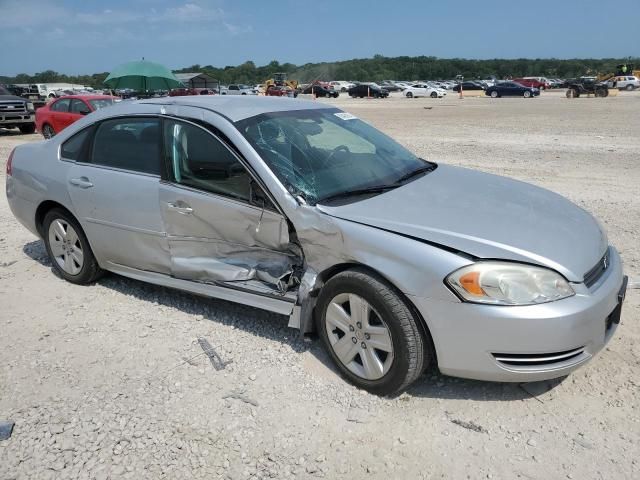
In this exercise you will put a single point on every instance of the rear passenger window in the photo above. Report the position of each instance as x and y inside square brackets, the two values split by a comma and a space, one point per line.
[61, 105]
[200, 160]
[129, 144]
[74, 148]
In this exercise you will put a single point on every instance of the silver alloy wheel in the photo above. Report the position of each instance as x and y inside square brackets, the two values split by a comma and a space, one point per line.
[359, 336]
[47, 132]
[65, 246]
[527, 94]
[494, 94]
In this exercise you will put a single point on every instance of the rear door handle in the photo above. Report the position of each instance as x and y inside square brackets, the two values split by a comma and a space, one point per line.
[183, 208]
[82, 182]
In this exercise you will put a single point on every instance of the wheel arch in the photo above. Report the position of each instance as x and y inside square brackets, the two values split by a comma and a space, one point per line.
[327, 274]
[42, 210]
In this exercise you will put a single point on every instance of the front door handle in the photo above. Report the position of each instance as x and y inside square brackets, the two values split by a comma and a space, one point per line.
[182, 208]
[82, 182]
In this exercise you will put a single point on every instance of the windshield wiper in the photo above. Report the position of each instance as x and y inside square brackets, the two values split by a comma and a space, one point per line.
[357, 192]
[425, 169]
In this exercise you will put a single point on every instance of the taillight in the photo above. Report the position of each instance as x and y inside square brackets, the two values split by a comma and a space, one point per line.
[9, 161]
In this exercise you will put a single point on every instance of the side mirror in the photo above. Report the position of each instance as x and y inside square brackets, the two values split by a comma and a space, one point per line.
[84, 111]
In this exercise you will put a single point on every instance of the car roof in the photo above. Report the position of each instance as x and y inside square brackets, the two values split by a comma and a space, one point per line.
[238, 107]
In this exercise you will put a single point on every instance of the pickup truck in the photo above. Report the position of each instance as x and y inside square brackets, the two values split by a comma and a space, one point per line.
[16, 112]
[238, 89]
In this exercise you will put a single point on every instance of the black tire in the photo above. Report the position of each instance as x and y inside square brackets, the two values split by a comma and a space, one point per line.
[409, 95]
[48, 131]
[412, 352]
[90, 270]
[526, 94]
[434, 94]
[572, 93]
[494, 94]
[28, 128]
[343, 89]
[629, 87]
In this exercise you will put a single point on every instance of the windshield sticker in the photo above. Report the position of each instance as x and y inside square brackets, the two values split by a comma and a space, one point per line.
[345, 116]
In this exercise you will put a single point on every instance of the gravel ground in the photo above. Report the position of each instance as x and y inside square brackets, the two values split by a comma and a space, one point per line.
[108, 381]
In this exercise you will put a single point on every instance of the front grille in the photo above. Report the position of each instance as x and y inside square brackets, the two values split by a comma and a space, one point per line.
[12, 107]
[538, 359]
[593, 275]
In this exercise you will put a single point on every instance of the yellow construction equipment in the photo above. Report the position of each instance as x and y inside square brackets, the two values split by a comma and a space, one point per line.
[280, 80]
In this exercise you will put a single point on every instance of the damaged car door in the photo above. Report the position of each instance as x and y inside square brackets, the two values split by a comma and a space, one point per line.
[221, 226]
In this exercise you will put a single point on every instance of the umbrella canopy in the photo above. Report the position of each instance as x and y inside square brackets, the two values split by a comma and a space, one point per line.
[142, 76]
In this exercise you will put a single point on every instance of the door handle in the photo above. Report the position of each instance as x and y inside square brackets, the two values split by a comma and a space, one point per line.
[82, 182]
[182, 208]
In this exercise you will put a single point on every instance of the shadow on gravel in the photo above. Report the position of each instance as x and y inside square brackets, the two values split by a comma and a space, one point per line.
[10, 133]
[274, 327]
[251, 320]
[435, 385]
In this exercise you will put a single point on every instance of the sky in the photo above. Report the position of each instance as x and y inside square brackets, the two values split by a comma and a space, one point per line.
[85, 36]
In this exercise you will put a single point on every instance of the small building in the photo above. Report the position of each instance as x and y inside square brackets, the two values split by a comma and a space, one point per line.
[198, 80]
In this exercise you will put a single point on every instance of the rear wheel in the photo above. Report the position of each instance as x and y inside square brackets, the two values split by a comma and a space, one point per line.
[370, 333]
[28, 128]
[47, 131]
[68, 248]
[572, 93]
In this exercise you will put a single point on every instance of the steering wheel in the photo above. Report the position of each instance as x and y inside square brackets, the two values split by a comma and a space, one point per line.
[339, 148]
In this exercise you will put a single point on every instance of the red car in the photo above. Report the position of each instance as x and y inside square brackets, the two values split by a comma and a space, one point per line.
[531, 83]
[62, 112]
[280, 91]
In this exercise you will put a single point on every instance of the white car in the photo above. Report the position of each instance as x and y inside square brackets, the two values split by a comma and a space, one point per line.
[624, 82]
[238, 89]
[423, 90]
[341, 85]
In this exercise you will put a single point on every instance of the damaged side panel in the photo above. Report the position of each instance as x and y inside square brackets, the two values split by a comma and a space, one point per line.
[213, 239]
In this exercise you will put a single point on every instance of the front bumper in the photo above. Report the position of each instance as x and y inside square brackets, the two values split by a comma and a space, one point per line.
[528, 343]
[16, 118]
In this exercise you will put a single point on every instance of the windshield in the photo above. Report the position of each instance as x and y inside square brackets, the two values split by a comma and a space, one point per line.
[323, 153]
[99, 103]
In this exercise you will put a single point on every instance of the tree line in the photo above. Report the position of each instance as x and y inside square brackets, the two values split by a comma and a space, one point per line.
[371, 69]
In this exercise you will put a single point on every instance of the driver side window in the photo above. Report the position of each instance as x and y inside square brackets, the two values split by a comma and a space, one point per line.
[200, 160]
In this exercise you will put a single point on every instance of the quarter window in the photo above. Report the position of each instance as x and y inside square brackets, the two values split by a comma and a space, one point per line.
[75, 147]
[61, 105]
[200, 160]
[129, 144]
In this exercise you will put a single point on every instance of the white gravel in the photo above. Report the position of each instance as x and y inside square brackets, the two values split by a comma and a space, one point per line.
[102, 382]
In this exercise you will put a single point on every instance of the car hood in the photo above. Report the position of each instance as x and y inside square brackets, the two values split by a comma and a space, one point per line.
[486, 216]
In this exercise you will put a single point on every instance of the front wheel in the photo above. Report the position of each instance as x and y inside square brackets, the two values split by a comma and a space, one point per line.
[527, 94]
[409, 95]
[68, 248]
[434, 94]
[494, 94]
[629, 87]
[28, 128]
[371, 333]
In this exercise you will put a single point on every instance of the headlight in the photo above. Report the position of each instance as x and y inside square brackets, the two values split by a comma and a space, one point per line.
[504, 283]
[30, 106]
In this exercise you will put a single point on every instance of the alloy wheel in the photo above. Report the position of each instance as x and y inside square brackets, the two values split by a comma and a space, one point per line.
[47, 132]
[358, 336]
[66, 247]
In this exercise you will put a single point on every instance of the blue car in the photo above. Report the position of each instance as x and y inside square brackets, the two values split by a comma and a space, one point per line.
[511, 89]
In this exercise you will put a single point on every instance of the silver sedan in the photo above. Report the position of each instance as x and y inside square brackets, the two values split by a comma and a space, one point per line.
[397, 263]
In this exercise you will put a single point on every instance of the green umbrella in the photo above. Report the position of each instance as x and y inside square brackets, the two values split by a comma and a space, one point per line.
[142, 76]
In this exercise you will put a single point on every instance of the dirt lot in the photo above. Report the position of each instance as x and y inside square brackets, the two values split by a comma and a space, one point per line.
[96, 380]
